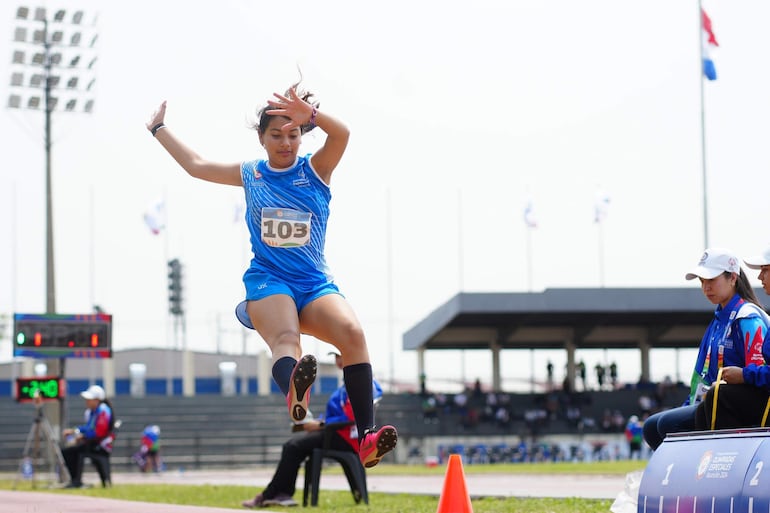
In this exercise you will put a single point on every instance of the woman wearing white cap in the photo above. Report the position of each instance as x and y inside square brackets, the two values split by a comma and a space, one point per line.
[733, 338]
[761, 263]
[742, 398]
[94, 436]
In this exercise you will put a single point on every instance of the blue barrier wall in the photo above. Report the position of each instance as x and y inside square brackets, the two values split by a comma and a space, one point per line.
[720, 471]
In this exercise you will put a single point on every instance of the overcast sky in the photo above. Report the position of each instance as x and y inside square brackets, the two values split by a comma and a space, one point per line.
[460, 113]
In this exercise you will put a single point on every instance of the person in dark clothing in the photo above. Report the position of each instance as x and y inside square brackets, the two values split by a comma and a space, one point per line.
[95, 436]
[742, 398]
[280, 490]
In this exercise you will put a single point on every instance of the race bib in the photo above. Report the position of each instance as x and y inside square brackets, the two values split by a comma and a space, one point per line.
[285, 228]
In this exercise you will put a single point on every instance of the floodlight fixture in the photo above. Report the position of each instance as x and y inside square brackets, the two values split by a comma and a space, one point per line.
[47, 73]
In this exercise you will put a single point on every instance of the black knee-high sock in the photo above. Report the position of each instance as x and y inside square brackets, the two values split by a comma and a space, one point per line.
[282, 372]
[358, 383]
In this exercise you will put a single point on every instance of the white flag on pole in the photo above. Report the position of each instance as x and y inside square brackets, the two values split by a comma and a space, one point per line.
[155, 216]
[601, 206]
[529, 215]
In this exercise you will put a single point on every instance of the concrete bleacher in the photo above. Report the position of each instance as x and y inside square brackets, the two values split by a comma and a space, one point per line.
[196, 432]
[208, 431]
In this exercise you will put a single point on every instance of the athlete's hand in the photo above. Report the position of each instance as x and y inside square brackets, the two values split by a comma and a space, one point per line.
[292, 107]
[157, 117]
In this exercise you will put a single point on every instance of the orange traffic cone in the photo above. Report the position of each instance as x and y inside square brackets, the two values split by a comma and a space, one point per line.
[454, 497]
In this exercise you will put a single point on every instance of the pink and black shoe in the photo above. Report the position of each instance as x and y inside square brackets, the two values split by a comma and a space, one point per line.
[376, 444]
[302, 378]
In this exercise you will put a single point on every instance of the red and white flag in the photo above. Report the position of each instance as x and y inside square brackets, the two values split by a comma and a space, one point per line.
[709, 45]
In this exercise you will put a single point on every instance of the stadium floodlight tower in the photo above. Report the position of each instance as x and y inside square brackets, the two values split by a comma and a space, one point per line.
[52, 69]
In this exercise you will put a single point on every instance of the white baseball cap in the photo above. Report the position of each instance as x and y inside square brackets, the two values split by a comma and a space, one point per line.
[93, 392]
[714, 262]
[757, 261]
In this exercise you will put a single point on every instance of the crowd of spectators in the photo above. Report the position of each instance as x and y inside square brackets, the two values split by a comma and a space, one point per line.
[553, 411]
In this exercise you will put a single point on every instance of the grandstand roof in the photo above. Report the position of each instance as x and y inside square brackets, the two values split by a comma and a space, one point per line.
[589, 318]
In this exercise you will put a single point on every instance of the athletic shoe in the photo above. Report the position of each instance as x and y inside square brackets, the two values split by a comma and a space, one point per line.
[256, 502]
[376, 444]
[281, 500]
[302, 378]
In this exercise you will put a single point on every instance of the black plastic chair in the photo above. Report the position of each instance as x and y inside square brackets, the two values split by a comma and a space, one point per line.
[351, 465]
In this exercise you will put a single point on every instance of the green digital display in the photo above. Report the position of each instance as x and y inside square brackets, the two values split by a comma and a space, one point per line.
[46, 388]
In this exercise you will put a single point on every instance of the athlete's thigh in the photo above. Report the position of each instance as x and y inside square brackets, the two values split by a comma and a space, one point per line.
[274, 316]
[329, 318]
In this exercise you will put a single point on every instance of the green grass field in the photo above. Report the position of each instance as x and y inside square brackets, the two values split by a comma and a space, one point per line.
[340, 501]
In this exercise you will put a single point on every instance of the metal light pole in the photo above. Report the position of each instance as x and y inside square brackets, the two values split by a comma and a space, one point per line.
[52, 66]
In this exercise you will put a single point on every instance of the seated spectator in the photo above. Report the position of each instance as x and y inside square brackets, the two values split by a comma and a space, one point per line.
[503, 417]
[429, 410]
[94, 437]
[607, 421]
[633, 434]
[461, 403]
[148, 456]
[280, 490]
[743, 396]
[574, 416]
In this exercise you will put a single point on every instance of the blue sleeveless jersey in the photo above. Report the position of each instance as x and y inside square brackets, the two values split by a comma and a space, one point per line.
[283, 196]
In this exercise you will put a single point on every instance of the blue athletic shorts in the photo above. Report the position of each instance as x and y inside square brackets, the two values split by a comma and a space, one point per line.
[260, 285]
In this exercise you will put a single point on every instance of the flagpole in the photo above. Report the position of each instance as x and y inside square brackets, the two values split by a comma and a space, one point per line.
[460, 267]
[389, 286]
[14, 244]
[91, 248]
[460, 238]
[530, 223]
[703, 130]
[601, 254]
[529, 258]
[169, 318]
